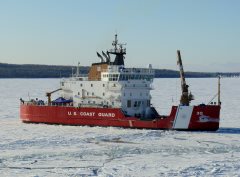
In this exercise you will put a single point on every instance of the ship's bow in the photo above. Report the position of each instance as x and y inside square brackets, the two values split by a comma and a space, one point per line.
[197, 118]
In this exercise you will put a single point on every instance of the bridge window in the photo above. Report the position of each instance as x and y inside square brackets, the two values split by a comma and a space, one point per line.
[148, 103]
[113, 77]
[135, 104]
[139, 103]
[129, 103]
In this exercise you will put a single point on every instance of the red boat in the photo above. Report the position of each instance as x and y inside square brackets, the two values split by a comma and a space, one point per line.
[112, 95]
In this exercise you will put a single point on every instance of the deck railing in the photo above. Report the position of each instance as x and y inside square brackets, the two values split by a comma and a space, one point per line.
[34, 103]
[117, 69]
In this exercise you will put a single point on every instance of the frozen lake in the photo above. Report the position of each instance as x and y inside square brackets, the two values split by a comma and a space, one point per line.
[51, 150]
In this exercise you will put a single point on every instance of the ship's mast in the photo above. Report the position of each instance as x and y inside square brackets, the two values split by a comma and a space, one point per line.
[219, 90]
[115, 43]
[186, 97]
[78, 74]
[118, 51]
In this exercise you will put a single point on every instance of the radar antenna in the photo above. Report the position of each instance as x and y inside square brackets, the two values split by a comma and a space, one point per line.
[119, 51]
[115, 42]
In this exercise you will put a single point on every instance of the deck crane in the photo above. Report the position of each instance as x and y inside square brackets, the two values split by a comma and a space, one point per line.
[186, 97]
[48, 94]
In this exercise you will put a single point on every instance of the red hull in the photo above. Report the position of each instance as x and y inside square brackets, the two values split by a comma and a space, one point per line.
[180, 118]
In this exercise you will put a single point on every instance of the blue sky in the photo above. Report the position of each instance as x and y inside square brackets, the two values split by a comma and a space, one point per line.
[63, 32]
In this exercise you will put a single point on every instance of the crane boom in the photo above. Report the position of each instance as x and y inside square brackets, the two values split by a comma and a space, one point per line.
[182, 75]
[186, 97]
[48, 94]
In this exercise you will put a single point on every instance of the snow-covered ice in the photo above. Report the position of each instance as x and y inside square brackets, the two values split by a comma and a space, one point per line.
[54, 150]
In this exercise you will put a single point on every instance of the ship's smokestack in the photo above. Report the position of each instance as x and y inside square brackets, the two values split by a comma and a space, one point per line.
[106, 56]
[101, 58]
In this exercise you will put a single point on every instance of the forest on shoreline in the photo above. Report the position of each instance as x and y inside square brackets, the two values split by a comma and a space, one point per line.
[54, 71]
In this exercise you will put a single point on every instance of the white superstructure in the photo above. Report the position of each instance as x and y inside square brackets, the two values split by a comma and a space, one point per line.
[110, 84]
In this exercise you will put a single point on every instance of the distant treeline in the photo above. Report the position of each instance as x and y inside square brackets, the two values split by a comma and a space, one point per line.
[37, 71]
[53, 71]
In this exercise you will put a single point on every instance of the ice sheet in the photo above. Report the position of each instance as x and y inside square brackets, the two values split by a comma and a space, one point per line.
[52, 150]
